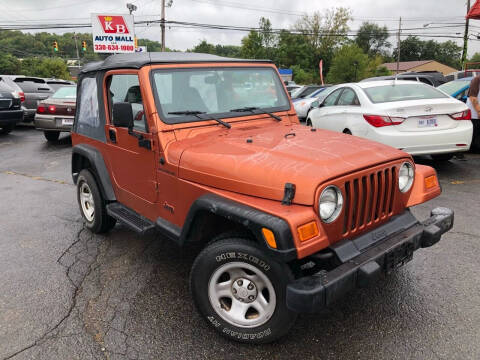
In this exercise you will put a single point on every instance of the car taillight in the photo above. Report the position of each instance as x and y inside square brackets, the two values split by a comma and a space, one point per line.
[22, 96]
[52, 109]
[464, 115]
[380, 121]
[41, 109]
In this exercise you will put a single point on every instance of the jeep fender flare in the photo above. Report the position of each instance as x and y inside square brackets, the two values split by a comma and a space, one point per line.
[97, 163]
[252, 219]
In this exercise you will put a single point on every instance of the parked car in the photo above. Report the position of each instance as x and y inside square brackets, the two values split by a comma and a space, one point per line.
[303, 106]
[55, 84]
[411, 116]
[437, 77]
[10, 108]
[457, 88]
[35, 90]
[305, 91]
[457, 75]
[166, 142]
[291, 88]
[426, 79]
[56, 113]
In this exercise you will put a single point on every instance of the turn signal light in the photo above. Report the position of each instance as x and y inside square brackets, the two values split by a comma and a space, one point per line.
[464, 115]
[307, 231]
[431, 182]
[269, 238]
[380, 121]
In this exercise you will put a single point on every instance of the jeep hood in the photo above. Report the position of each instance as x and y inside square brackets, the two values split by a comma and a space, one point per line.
[259, 161]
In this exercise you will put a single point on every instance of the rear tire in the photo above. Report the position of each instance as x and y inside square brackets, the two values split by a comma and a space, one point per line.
[51, 136]
[241, 291]
[442, 157]
[92, 205]
[7, 129]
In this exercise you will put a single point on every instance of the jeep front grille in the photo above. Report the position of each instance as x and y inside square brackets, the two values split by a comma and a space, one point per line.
[369, 199]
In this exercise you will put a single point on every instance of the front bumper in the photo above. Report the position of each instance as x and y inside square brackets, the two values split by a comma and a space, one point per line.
[366, 258]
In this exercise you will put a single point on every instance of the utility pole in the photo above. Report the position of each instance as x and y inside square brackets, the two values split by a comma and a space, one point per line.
[399, 43]
[162, 25]
[76, 47]
[465, 37]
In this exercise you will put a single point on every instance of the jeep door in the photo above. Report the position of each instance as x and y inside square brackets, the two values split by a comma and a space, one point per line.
[130, 151]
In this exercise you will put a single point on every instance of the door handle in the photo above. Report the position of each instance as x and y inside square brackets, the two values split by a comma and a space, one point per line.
[112, 134]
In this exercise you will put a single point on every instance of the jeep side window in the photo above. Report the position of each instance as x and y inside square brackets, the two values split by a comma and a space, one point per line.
[126, 88]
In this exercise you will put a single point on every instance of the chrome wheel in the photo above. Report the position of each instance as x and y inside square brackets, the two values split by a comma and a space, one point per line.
[86, 201]
[242, 295]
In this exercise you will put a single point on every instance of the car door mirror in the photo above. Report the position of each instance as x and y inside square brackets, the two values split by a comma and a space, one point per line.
[316, 104]
[122, 115]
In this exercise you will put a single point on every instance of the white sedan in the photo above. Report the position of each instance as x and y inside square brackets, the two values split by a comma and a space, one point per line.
[410, 116]
[304, 105]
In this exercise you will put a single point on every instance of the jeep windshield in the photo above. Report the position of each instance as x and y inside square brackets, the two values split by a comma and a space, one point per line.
[187, 95]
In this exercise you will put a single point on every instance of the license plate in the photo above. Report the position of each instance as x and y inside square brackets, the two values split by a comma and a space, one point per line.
[67, 121]
[427, 122]
[398, 257]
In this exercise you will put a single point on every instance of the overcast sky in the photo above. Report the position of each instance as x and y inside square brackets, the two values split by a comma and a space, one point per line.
[282, 13]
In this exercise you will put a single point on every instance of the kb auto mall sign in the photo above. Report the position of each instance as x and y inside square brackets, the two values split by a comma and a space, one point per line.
[113, 33]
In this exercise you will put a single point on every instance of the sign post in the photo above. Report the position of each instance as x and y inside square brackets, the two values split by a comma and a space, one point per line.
[113, 33]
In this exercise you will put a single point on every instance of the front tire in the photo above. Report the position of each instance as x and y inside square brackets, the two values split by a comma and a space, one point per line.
[241, 291]
[51, 136]
[92, 205]
[309, 122]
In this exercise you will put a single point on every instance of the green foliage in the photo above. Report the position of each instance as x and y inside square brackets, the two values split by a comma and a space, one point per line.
[349, 64]
[45, 67]
[252, 46]
[475, 57]
[304, 77]
[412, 48]
[372, 39]
[9, 64]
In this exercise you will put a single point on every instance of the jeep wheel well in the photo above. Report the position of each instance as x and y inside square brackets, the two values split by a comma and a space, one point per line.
[80, 162]
[207, 227]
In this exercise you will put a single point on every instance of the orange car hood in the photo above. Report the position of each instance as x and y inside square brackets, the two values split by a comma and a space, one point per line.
[258, 161]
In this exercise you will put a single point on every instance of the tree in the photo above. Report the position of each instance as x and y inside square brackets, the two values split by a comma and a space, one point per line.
[349, 64]
[252, 46]
[372, 39]
[204, 47]
[412, 48]
[9, 65]
[475, 57]
[324, 33]
[45, 67]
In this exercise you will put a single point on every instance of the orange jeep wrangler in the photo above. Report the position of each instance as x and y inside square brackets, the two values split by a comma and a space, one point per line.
[204, 149]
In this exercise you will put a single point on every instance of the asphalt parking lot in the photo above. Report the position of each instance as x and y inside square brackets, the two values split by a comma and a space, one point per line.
[68, 294]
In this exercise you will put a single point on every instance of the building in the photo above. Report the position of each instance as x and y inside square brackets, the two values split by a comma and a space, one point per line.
[286, 74]
[418, 66]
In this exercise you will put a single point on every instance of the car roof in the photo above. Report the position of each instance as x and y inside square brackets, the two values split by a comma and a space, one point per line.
[137, 60]
[369, 84]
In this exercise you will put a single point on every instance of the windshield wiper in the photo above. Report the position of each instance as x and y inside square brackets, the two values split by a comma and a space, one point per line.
[187, 112]
[197, 113]
[254, 110]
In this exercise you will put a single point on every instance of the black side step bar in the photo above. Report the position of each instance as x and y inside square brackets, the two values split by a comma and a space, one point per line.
[127, 216]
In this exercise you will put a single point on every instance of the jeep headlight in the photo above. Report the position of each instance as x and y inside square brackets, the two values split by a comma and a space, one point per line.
[406, 176]
[330, 204]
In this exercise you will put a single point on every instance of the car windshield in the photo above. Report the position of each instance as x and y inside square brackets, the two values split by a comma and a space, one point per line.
[316, 93]
[295, 91]
[402, 92]
[454, 86]
[185, 95]
[66, 92]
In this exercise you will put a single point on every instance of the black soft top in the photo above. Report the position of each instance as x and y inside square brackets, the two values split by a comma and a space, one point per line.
[137, 60]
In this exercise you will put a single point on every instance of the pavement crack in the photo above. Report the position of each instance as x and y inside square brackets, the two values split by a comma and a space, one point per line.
[76, 287]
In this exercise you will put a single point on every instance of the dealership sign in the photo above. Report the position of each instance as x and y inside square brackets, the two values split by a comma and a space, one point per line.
[113, 33]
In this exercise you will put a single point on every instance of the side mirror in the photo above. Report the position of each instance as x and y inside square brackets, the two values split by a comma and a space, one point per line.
[122, 115]
[316, 104]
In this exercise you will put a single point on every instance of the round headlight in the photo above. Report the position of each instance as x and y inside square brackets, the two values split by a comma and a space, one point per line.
[330, 204]
[405, 177]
